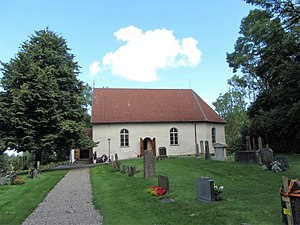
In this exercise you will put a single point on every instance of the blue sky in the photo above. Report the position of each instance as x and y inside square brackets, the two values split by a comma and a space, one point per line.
[135, 43]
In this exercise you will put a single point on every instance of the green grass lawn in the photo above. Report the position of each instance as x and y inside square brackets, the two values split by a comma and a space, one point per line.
[18, 201]
[251, 195]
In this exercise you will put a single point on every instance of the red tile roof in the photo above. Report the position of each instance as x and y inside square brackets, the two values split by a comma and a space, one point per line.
[113, 105]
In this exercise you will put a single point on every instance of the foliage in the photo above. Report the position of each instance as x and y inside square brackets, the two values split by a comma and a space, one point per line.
[16, 163]
[232, 107]
[42, 106]
[268, 55]
[19, 181]
[218, 192]
[243, 191]
[18, 202]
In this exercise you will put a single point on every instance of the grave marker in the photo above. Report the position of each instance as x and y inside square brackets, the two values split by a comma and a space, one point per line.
[3, 180]
[267, 155]
[12, 177]
[149, 164]
[163, 182]
[207, 154]
[205, 189]
[202, 147]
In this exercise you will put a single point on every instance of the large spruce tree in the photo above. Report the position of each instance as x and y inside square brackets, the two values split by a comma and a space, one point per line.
[42, 102]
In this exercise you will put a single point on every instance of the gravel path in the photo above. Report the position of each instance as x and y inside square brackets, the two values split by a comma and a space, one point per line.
[70, 202]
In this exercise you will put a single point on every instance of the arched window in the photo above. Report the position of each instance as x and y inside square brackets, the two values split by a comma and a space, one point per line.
[173, 136]
[124, 138]
[213, 135]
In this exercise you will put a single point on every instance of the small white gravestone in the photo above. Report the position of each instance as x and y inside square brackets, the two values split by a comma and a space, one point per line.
[3, 180]
[72, 156]
[220, 151]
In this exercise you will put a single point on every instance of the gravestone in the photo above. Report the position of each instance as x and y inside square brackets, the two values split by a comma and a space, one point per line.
[205, 189]
[3, 180]
[197, 153]
[207, 154]
[149, 164]
[124, 169]
[248, 143]
[35, 174]
[254, 144]
[220, 151]
[130, 170]
[38, 165]
[12, 177]
[202, 147]
[283, 160]
[163, 182]
[246, 157]
[267, 155]
[116, 157]
[260, 143]
[162, 152]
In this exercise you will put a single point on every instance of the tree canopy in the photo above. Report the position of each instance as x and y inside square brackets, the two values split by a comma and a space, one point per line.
[268, 55]
[42, 104]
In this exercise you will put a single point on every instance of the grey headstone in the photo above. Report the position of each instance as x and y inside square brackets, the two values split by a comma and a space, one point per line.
[124, 169]
[149, 164]
[283, 160]
[246, 157]
[130, 170]
[267, 155]
[3, 180]
[207, 154]
[205, 189]
[163, 182]
[260, 143]
[202, 147]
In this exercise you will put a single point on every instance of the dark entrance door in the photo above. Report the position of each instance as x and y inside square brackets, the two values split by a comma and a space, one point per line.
[84, 154]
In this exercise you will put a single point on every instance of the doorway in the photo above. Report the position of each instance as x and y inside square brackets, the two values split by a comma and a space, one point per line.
[147, 144]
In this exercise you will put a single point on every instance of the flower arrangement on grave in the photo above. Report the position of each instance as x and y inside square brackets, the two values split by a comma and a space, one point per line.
[157, 190]
[19, 181]
[218, 192]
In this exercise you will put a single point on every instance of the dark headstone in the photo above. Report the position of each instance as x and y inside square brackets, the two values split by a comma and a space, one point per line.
[149, 164]
[245, 157]
[197, 153]
[162, 152]
[205, 189]
[207, 154]
[254, 144]
[283, 160]
[248, 143]
[164, 182]
[12, 178]
[267, 156]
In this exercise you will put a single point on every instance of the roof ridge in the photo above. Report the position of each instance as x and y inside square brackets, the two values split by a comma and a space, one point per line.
[199, 106]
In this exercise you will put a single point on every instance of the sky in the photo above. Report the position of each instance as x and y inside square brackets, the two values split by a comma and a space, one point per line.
[172, 44]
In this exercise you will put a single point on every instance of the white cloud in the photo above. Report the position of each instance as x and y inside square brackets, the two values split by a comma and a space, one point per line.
[94, 68]
[145, 52]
